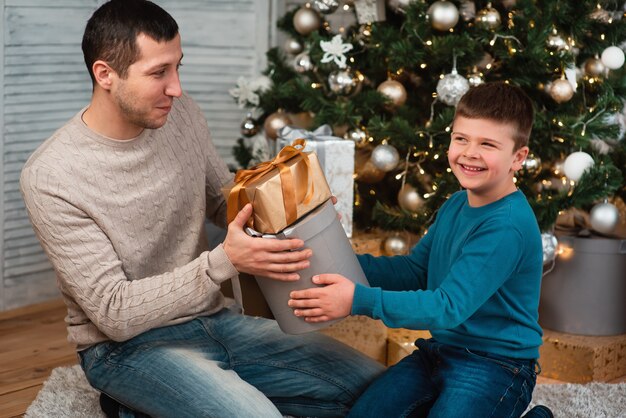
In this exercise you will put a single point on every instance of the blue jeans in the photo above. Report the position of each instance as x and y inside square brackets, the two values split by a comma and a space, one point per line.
[438, 381]
[230, 365]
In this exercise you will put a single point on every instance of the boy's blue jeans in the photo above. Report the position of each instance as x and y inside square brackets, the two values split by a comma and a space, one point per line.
[438, 381]
[230, 365]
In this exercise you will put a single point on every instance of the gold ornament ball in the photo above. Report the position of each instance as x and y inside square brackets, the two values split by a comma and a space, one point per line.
[249, 126]
[409, 199]
[293, 46]
[488, 18]
[443, 15]
[561, 90]
[394, 91]
[274, 123]
[395, 245]
[594, 67]
[306, 20]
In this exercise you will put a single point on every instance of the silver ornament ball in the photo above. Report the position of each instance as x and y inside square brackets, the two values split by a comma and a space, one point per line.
[451, 88]
[556, 42]
[409, 198]
[395, 245]
[302, 63]
[613, 57]
[306, 21]
[532, 164]
[326, 6]
[604, 218]
[358, 136]
[443, 15]
[550, 244]
[342, 82]
[385, 157]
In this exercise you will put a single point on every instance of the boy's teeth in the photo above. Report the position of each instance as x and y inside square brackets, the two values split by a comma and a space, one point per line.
[472, 168]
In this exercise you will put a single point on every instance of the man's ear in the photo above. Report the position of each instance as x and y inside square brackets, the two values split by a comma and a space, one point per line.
[519, 157]
[103, 74]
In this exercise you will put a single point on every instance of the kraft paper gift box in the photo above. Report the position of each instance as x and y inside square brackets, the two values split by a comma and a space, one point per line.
[336, 156]
[281, 191]
[322, 232]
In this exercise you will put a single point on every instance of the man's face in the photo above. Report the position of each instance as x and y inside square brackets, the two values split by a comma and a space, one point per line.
[145, 96]
[482, 158]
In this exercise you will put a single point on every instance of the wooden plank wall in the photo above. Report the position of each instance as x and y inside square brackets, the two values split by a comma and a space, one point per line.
[44, 82]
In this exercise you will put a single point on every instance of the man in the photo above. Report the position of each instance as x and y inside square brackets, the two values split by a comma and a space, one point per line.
[118, 198]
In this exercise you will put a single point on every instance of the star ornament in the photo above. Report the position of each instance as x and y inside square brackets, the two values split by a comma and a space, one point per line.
[334, 50]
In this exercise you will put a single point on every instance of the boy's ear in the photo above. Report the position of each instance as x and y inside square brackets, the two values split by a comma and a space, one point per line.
[519, 157]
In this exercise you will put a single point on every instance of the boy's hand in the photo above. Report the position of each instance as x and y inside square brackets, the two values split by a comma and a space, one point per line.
[271, 258]
[319, 304]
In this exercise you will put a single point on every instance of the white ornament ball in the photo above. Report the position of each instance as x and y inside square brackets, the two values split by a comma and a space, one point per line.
[613, 57]
[443, 15]
[409, 198]
[396, 245]
[451, 88]
[549, 243]
[306, 20]
[576, 163]
[385, 157]
[604, 218]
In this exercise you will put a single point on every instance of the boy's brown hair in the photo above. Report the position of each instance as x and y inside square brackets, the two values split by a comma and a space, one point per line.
[500, 102]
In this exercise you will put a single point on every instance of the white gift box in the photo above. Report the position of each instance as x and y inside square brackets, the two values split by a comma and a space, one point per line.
[336, 157]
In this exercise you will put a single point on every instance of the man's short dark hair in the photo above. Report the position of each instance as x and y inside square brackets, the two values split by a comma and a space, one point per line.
[500, 102]
[111, 32]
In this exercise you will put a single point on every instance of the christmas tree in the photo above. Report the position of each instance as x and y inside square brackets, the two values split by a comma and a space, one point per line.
[389, 79]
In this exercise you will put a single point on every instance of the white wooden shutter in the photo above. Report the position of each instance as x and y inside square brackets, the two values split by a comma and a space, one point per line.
[44, 82]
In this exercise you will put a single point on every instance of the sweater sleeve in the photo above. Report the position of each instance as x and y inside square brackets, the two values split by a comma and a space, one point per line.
[90, 273]
[487, 260]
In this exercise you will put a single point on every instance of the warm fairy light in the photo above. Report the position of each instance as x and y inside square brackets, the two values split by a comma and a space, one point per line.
[436, 157]
[602, 37]
[447, 129]
[449, 170]
[372, 192]
[514, 179]
[565, 252]
[434, 187]
[429, 42]
[346, 7]
[315, 85]
[488, 66]
[351, 59]
[560, 124]
[422, 171]
[423, 65]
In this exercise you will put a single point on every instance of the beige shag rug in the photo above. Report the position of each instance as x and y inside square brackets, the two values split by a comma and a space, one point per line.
[67, 394]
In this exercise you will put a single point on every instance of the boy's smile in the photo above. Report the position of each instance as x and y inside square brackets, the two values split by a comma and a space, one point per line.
[482, 158]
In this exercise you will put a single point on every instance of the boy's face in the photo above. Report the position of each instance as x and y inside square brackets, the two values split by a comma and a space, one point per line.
[481, 157]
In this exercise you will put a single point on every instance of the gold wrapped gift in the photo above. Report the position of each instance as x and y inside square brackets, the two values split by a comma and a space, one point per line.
[281, 191]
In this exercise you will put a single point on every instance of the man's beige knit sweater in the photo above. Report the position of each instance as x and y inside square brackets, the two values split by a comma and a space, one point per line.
[123, 224]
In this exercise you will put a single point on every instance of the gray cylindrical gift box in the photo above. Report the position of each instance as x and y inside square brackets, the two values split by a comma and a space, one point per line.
[322, 232]
[586, 292]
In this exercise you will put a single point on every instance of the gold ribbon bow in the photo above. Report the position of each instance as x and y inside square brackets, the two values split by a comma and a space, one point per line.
[237, 198]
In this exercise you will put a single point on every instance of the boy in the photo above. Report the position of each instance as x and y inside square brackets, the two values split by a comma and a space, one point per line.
[473, 280]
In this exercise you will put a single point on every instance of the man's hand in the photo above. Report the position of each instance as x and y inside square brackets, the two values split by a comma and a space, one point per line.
[319, 304]
[272, 258]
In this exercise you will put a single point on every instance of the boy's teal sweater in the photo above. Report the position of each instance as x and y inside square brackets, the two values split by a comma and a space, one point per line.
[473, 280]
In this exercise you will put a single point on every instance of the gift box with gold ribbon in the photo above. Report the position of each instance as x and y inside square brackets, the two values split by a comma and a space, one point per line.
[281, 191]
